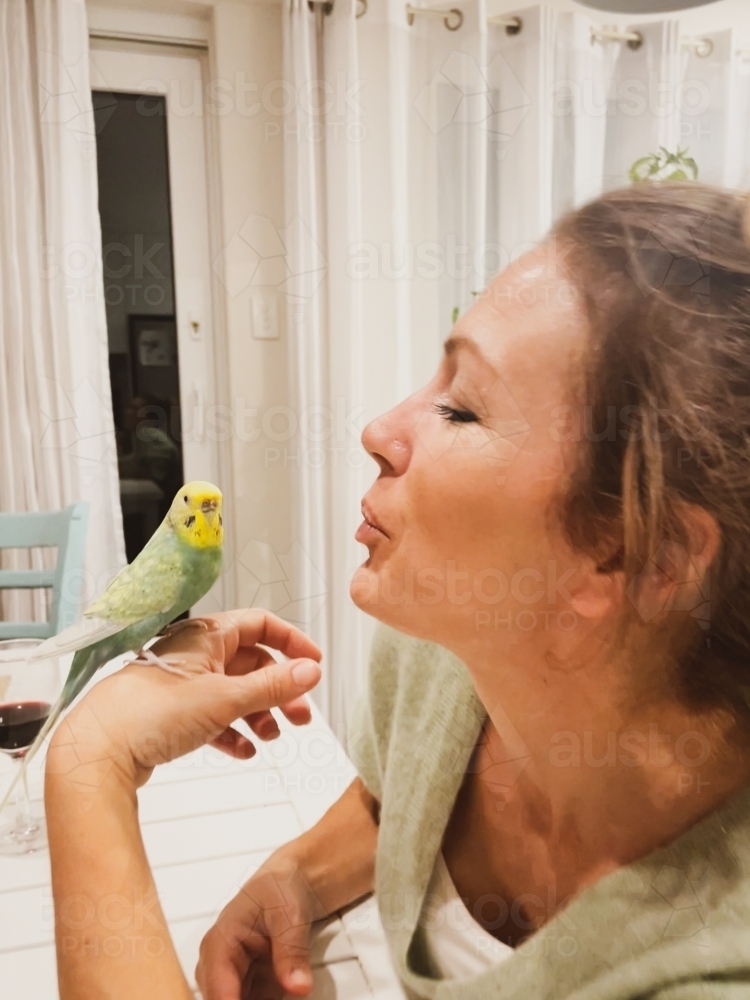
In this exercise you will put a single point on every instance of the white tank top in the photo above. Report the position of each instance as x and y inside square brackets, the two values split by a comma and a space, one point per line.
[458, 945]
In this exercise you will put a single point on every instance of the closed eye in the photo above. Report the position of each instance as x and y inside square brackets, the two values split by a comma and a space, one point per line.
[455, 416]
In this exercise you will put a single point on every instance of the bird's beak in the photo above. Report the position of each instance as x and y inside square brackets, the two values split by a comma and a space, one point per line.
[210, 510]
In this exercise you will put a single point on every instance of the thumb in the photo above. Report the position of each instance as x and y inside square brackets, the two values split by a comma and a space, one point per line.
[276, 684]
[290, 953]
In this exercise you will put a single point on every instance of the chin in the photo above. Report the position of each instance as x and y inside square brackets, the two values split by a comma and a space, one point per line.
[364, 587]
[365, 591]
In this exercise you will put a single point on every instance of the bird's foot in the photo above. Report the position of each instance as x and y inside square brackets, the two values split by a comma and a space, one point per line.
[147, 656]
[179, 626]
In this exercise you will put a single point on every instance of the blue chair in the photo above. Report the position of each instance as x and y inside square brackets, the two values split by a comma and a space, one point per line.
[66, 531]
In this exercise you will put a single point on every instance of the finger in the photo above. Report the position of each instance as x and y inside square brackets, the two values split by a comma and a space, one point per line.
[233, 743]
[290, 953]
[222, 965]
[263, 725]
[259, 626]
[297, 711]
[276, 684]
[219, 983]
[248, 658]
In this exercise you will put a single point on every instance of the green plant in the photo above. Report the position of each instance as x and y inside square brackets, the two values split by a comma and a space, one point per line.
[664, 166]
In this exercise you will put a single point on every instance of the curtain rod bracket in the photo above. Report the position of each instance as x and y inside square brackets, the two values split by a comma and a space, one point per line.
[512, 25]
[702, 47]
[633, 39]
[452, 19]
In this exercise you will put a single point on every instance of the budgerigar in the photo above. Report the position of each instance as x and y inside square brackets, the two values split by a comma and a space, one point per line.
[178, 565]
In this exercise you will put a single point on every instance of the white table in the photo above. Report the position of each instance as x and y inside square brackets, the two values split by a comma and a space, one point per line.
[208, 823]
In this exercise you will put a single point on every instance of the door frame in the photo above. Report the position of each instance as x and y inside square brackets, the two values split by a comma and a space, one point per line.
[192, 31]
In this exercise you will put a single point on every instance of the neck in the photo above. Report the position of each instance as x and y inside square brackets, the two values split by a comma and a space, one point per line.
[605, 781]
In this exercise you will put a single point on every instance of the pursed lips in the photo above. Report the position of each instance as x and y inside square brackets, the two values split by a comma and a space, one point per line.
[372, 521]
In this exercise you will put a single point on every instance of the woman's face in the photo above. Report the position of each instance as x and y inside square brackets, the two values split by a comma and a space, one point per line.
[462, 547]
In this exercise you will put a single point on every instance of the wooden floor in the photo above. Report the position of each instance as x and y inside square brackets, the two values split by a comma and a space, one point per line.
[208, 823]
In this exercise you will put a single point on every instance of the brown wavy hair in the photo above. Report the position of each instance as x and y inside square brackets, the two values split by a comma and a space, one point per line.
[663, 270]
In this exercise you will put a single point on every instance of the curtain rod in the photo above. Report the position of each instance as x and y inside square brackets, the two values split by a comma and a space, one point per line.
[112, 34]
[702, 47]
[512, 25]
[452, 19]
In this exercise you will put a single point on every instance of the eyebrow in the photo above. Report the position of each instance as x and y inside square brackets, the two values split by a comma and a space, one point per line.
[457, 341]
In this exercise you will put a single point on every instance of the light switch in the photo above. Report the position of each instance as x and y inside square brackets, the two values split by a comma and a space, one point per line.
[265, 317]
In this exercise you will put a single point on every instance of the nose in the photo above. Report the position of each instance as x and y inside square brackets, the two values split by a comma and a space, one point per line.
[207, 505]
[387, 438]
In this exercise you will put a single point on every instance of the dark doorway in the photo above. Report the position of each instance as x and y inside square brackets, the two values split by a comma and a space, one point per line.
[133, 169]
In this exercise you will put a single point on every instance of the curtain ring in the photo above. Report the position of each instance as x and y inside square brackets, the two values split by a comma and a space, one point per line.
[452, 19]
[361, 8]
[458, 19]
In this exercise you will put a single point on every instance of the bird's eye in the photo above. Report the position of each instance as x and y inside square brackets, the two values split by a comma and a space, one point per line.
[185, 498]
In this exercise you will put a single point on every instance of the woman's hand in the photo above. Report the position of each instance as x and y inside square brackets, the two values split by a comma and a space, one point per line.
[262, 935]
[142, 716]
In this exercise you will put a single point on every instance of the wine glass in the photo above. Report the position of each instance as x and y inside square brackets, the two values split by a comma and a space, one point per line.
[28, 689]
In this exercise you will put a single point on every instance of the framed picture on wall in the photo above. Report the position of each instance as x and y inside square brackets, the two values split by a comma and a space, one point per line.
[153, 356]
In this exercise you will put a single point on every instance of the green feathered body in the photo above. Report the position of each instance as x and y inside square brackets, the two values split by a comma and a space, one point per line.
[167, 567]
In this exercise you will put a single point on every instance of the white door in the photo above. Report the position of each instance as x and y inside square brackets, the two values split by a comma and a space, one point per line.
[177, 74]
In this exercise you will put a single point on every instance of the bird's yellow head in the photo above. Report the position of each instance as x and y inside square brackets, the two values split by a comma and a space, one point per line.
[195, 515]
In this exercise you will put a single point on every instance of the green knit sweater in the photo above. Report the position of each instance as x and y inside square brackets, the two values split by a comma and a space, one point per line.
[674, 925]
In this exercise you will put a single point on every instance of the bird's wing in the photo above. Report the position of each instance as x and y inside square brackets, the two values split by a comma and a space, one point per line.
[85, 632]
[150, 585]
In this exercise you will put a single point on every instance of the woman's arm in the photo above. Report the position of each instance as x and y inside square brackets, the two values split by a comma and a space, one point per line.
[320, 872]
[111, 935]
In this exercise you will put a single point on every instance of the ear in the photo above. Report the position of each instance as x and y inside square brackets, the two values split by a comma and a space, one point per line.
[595, 592]
[676, 576]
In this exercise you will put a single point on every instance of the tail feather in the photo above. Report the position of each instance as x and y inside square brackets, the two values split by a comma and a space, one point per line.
[84, 666]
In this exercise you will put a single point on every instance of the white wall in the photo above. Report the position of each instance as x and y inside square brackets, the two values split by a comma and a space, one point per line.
[246, 52]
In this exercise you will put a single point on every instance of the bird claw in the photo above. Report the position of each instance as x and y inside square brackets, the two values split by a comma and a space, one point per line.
[174, 627]
[147, 656]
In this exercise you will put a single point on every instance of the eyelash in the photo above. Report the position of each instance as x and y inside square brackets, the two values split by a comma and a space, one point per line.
[455, 416]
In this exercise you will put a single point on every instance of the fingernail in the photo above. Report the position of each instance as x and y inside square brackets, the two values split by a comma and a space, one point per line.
[306, 672]
[299, 977]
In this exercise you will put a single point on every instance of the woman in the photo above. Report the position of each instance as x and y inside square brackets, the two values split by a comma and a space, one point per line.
[553, 800]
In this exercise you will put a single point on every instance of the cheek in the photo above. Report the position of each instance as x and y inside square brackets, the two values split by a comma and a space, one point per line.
[471, 507]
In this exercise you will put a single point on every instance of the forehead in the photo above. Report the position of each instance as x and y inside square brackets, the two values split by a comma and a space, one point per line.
[529, 323]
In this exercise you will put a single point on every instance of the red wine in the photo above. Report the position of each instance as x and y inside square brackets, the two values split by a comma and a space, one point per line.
[20, 722]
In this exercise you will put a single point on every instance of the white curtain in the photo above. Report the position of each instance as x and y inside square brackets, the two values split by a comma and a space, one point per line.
[57, 441]
[644, 111]
[583, 76]
[737, 174]
[422, 160]
[705, 106]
